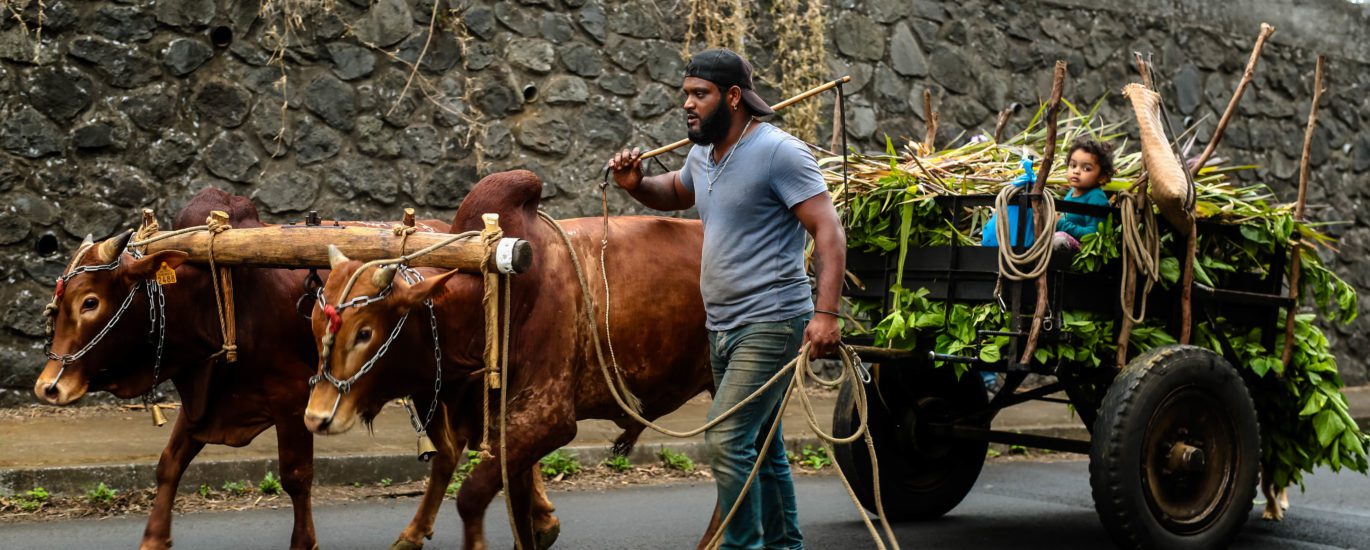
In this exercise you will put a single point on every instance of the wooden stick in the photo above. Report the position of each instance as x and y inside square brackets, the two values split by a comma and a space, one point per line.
[1058, 82]
[778, 106]
[1130, 279]
[930, 116]
[1144, 70]
[838, 125]
[1297, 248]
[1001, 123]
[1266, 31]
[297, 246]
[1191, 243]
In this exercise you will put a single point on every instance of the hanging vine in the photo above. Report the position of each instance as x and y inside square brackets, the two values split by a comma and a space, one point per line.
[721, 23]
[801, 61]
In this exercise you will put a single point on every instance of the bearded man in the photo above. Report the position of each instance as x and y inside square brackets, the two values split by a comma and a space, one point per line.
[758, 190]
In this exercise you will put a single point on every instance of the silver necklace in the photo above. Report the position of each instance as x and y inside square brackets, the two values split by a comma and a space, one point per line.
[713, 176]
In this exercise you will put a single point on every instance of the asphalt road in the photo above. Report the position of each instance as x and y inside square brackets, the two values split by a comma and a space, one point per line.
[1015, 505]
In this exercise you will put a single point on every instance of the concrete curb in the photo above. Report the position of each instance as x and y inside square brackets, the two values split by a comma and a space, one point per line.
[328, 470]
[348, 469]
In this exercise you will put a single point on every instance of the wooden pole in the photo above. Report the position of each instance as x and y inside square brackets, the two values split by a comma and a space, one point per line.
[297, 246]
[1129, 281]
[1001, 123]
[1266, 31]
[1058, 81]
[1297, 248]
[929, 115]
[778, 106]
[1191, 242]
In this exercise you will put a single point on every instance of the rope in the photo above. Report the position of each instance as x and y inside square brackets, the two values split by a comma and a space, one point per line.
[1032, 263]
[1141, 251]
[494, 375]
[227, 325]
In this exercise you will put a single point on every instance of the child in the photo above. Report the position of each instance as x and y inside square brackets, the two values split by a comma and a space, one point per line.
[1090, 165]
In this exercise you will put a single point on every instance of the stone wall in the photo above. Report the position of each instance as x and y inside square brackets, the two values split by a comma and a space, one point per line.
[124, 104]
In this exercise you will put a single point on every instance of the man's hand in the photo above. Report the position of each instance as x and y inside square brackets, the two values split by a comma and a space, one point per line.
[824, 335]
[627, 168]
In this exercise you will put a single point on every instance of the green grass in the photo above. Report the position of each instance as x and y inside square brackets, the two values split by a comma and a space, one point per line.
[618, 463]
[270, 485]
[241, 487]
[32, 500]
[815, 458]
[101, 494]
[559, 464]
[676, 461]
[205, 491]
[463, 472]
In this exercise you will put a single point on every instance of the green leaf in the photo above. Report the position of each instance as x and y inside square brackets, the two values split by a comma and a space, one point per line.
[1201, 275]
[1315, 404]
[905, 222]
[1041, 355]
[1328, 426]
[1170, 269]
[990, 353]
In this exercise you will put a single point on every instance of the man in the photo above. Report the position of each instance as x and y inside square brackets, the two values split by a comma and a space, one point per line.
[758, 189]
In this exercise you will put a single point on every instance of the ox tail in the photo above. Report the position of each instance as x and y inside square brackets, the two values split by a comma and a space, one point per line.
[623, 446]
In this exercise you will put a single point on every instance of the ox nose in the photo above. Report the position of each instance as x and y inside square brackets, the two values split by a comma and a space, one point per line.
[50, 389]
[316, 422]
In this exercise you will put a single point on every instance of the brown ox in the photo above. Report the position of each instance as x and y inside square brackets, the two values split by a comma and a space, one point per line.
[228, 404]
[554, 377]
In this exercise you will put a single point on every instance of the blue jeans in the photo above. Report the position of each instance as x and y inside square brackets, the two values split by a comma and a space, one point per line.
[743, 360]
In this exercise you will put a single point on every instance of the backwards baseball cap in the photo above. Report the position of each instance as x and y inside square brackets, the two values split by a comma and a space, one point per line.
[727, 69]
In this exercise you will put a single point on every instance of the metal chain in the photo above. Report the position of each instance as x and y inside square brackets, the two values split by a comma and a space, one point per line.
[345, 386]
[70, 357]
[412, 276]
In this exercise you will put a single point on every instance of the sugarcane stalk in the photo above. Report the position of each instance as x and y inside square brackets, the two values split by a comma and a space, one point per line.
[778, 106]
[1058, 81]
[1297, 248]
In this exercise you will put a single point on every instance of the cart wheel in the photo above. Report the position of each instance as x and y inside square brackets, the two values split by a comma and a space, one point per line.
[922, 476]
[1175, 452]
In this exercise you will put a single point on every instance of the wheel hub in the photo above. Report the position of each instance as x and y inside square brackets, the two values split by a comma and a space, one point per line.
[1190, 460]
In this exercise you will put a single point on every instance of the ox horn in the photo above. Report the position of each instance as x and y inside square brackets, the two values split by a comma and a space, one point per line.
[111, 248]
[89, 240]
[336, 257]
[383, 276]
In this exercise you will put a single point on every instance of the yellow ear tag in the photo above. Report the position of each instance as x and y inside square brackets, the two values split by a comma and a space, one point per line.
[166, 275]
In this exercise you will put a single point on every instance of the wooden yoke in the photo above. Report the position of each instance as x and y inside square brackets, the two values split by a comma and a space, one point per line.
[304, 247]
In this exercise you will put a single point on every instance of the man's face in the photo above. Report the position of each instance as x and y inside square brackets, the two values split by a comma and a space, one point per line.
[707, 119]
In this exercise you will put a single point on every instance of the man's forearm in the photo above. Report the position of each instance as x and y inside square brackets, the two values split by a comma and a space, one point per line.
[830, 261]
[657, 192]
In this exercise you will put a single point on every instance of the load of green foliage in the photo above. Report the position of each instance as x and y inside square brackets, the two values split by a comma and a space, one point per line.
[889, 199]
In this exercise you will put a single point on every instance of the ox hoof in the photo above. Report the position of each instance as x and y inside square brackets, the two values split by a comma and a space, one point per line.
[401, 544]
[1273, 513]
[549, 537]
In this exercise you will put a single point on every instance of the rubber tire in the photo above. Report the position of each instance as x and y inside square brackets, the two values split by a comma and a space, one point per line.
[904, 476]
[1116, 450]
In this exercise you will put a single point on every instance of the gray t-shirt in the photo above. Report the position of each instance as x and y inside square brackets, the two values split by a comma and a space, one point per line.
[753, 264]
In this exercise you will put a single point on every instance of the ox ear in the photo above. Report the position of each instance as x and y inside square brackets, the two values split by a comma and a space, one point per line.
[413, 295]
[147, 266]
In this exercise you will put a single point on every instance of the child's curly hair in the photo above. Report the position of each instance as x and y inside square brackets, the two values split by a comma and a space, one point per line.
[1103, 155]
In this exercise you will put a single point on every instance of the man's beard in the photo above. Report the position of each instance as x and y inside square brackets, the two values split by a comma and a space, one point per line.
[712, 129]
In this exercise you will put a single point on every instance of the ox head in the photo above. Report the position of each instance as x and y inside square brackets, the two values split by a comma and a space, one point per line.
[349, 336]
[95, 337]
